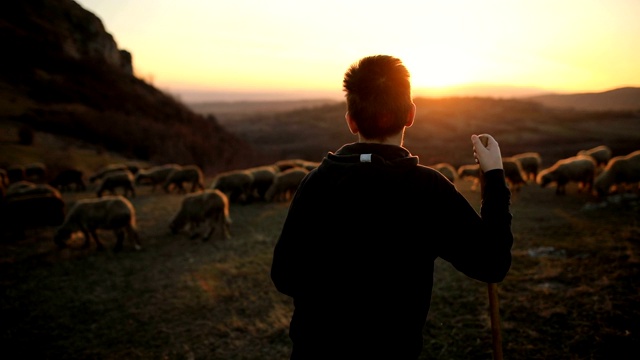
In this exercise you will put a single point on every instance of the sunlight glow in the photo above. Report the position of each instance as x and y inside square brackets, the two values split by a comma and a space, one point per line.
[573, 45]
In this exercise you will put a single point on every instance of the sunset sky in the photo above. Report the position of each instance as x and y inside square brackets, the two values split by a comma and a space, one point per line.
[270, 49]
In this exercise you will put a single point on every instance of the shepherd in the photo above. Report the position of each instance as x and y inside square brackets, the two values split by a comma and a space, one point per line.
[357, 249]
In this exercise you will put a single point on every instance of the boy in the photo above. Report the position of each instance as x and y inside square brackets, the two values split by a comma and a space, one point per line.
[357, 249]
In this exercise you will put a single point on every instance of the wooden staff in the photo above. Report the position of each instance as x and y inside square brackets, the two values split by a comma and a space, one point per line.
[494, 307]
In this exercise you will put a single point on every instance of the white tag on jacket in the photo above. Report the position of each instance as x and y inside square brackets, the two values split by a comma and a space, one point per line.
[365, 157]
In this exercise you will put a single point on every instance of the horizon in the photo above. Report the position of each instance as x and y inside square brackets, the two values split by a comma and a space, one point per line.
[251, 49]
[196, 96]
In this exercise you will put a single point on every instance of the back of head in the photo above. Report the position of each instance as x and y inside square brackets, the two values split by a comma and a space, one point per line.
[378, 93]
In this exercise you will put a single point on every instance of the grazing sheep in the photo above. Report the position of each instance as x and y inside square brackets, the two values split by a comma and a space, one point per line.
[118, 179]
[114, 213]
[601, 154]
[68, 177]
[35, 172]
[470, 172]
[262, 179]
[15, 173]
[580, 169]
[513, 173]
[186, 174]
[285, 184]
[29, 205]
[209, 207]
[106, 170]
[447, 170]
[620, 171]
[283, 165]
[236, 184]
[530, 163]
[155, 175]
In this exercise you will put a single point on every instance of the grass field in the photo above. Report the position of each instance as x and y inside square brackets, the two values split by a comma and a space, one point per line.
[572, 292]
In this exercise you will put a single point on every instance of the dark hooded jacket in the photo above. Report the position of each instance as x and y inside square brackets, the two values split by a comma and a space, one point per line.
[357, 250]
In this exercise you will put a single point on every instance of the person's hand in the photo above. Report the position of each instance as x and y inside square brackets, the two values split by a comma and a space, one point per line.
[488, 157]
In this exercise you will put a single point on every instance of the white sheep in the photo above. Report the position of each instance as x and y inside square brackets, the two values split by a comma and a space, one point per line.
[601, 154]
[190, 174]
[513, 173]
[285, 184]
[155, 175]
[29, 205]
[35, 172]
[236, 184]
[67, 177]
[291, 163]
[470, 172]
[113, 180]
[89, 215]
[580, 169]
[531, 162]
[106, 170]
[262, 179]
[620, 171]
[209, 207]
[447, 170]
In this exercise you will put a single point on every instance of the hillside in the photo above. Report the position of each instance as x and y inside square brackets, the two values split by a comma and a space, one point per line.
[442, 129]
[627, 98]
[63, 74]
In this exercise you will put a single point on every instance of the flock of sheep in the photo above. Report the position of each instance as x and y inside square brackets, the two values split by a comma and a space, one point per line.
[27, 200]
[594, 170]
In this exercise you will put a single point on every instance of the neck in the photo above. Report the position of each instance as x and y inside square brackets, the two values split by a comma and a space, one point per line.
[397, 139]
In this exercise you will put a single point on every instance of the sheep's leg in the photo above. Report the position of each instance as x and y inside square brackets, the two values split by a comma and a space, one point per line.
[94, 234]
[119, 239]
[133, 235]
[208, 234]
[87, 238]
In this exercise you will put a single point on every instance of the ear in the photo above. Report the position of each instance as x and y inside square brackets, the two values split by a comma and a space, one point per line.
[353, 127]
[412, 115]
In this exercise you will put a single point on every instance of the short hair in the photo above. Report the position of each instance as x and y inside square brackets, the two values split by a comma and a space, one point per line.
[378, 93]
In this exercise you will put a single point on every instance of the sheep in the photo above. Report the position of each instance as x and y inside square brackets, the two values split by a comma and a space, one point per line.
[209, 207]
[30, 205]
[531, 163]
[580, 169]
[186, 174]
[601, 154]
[620, 170]
[236, 184]
[447, 170]
[118, 179]
[106, 170]
[67, 177]
[15, 173]
[285, 184]
[35, 172]
[262, 179]
[513, 173]
[112, 212]
[283, 165]
[155, 175]
[470, 172]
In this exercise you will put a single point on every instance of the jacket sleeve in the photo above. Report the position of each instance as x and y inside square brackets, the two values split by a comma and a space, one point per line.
[481, 244]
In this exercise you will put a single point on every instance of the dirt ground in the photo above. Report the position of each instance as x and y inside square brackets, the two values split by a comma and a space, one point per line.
[572, 292]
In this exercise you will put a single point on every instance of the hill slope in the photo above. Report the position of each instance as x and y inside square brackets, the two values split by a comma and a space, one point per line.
[627, 98]
[63, 73]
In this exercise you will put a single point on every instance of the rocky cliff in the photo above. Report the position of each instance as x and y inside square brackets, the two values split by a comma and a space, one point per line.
[61, 72]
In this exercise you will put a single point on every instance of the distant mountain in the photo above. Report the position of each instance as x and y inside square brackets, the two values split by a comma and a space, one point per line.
[627, 98]
[62, 73]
